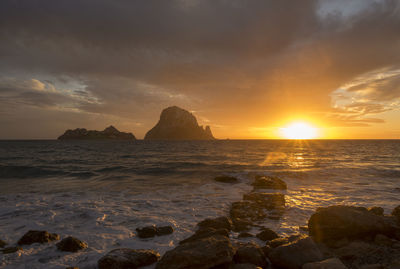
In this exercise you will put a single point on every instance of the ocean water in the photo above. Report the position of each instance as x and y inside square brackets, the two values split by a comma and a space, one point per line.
[100, 191]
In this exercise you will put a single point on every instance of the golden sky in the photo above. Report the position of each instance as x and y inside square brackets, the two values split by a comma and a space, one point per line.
[246, 68]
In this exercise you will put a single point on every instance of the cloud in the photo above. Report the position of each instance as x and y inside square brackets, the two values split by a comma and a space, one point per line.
[238, 63]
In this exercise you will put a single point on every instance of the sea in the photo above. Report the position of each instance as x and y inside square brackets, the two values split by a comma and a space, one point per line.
[101, 191]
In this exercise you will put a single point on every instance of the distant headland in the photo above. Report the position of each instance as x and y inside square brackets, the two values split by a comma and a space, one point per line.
[109, 133]
[175, 124]
[178, 124]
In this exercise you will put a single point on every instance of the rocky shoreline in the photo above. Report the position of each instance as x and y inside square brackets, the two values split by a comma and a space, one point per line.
[339, 236]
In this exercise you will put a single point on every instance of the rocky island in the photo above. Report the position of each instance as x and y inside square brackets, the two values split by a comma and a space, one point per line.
[109, 133]
[178, 124]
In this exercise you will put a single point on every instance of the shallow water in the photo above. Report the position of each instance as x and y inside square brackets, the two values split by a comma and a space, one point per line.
[101, 191]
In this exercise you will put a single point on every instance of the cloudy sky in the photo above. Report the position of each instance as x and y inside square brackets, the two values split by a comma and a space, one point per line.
[246, 68]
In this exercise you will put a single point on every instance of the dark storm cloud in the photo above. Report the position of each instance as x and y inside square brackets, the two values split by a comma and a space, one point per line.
[228, 59]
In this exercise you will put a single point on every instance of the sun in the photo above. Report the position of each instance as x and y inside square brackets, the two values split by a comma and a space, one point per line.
[299, 130]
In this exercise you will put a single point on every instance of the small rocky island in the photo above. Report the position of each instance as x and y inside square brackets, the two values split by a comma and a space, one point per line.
[109, 133]
[178, 124]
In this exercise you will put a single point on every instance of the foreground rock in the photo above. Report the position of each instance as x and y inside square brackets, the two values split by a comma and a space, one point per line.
[125, 258]
[226, 179]
[332, 263]
[204, 233]
[110, 133]
[269, 182]
[41, 237]
[71, 244]
[295, 255]
[337, 222]
[200, 254]
[216, 223]
[244, 266]
[267, 234]
[252, 254]
[178, 124]
[2, 244]
[151, 231]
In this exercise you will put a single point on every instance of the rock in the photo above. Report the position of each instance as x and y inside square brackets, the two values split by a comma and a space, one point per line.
[242, 210]
[41, 237]
[336, 222]
[376, 210]
[250, 253]
[285, 240]
[269, 182]
[10, 250]
[373, 266]
[109, 133]
[240, 225]
[204, 233]
[217, 223]
[125, 258]
[244, 266]
[164, 230]
[71, 244]
[178, 124]
[354, 250]
[226, 179]
[200, 254]
[2, 244]
[72, 267]
[266, 200]
[383, 240]
[147, 232]
[295, 255]
[332, 263]
[267, 235]
[244, 235]
[396, 213]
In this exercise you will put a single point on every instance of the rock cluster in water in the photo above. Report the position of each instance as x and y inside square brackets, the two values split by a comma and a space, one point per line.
[178, 124]
[109, 133]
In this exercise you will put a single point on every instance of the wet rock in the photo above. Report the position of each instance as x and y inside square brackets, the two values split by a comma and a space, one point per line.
[372, 266]
[240, 225]
[41, 237]
[383, 240]
[217, 223]
[244, 235]
[71, 244]
[267, 235]
[243, 210]
[295, 255]
[285, 240]
[377, 210]
[250, 253]
[355, 250]
[164, 230]
[147, 232]
[226, 179]
[332, 263]
[10, 250]
[204, 233]
[125, 258]
[269, 182]
[266, 200]
[2, 244]
[244, 266]
[72, 267]
[200, 254]
[396, 213]
[336, 222]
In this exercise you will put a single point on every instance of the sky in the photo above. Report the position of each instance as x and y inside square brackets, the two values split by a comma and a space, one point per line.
[246, 68]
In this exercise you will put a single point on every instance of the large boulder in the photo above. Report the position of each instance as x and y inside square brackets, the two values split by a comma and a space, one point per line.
[125, 258]
[269, 182]
[200, 254]
[178, 124]
[332, 263]
[109, 133]
[41, 237]
[216, 223]
[71, 244]
[204, 233]
[250, 253]
[336, 222]
[296, 254]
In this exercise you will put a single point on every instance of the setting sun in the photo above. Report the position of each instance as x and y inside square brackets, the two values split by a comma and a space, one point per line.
[299, 130]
